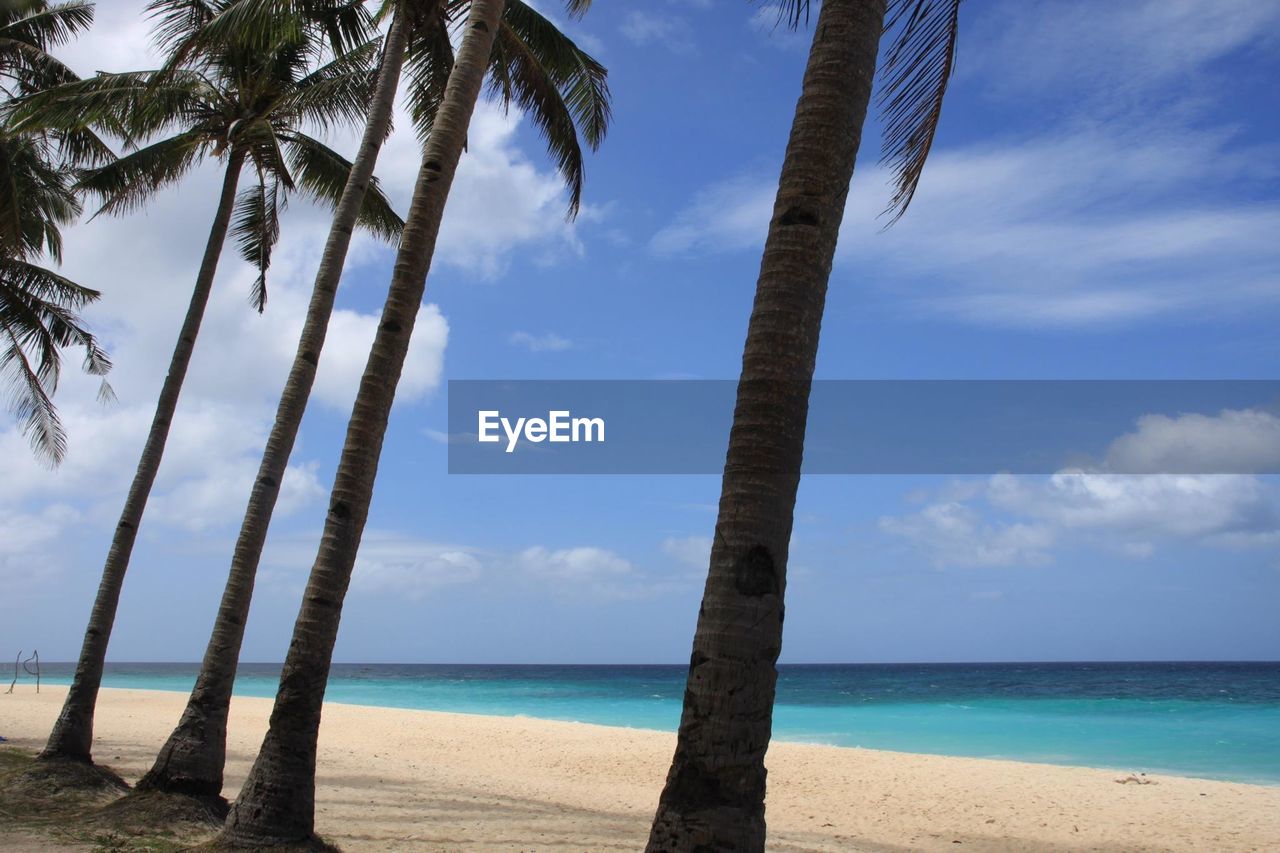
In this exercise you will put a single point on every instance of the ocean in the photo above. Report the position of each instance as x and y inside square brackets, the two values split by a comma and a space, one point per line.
[1213, 720]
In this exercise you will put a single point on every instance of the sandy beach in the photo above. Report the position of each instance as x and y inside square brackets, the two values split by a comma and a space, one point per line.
[420, 780]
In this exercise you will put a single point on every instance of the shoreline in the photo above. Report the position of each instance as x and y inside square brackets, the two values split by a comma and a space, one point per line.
[777, 738]
[428, 780]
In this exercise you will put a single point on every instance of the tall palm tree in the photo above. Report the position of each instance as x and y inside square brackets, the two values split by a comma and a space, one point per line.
[277, 803]
[241, 103]
[531, 64]
[714, 793]
[38, 307]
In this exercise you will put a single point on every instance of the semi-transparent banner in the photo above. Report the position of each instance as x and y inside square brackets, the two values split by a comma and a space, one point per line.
[956, 427]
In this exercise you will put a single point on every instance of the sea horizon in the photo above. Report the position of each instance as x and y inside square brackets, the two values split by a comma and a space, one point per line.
[1207, 719]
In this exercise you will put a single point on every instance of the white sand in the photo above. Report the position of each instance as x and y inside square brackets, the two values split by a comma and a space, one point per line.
[393, 779]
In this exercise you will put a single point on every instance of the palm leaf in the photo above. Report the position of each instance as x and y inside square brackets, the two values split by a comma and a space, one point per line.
[338, 92]
[256, 228]
[428, 62]
[26, 39]
[914, 77]
[322, 173]
[133, 105]
[37, 321]
[178, 22]
[127, 183]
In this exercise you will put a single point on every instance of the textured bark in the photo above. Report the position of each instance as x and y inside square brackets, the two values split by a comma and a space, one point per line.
[714, 794]
[192, 760]
[277, 803]
[72, 736]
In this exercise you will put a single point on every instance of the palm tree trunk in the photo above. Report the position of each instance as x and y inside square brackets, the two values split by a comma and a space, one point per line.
[714, 794]
[277, 803]
[72, 736]
[191, 761]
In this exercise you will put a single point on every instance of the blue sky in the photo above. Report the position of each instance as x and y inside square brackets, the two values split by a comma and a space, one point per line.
[1103, 202]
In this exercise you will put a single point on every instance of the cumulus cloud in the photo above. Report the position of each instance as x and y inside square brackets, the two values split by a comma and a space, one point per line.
[1237, 441]
[1011, 520]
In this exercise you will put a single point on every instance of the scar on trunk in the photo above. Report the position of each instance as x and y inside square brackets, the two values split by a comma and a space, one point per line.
[755, 573]
[798, 216]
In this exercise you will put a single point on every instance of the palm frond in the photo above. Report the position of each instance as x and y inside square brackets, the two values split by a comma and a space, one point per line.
[428, 63]
[914, 77]
[177, 22]
[29, 401]
[127, 183]
[580, 79]
[256, 228]
[322, 173]
[52, 25]
[792, 12]
[338, 92]
[131, 105]
[36, 197]
[83, 147]
[261, 25]
[37, 321]
[27, 34]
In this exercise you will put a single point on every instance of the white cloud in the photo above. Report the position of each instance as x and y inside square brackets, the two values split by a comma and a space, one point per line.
[403, 565]
[1180, 506]
[1017, 520]
[692, 551]
[1234, 441]
[30, 561]
[550, 342]
[953, 534]
[1097, 44]
[1077, 230]
[659, 29]
[578, 565]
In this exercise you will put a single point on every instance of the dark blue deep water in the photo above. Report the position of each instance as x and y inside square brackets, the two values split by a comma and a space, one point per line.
[1217, 720]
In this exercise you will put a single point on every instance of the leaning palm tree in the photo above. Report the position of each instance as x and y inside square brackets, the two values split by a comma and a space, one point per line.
[243, 104]
[533, 64]
[277, 803]
[715, 790]
[38, 307]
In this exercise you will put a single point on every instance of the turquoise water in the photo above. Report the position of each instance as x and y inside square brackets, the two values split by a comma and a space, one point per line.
[1215, 720]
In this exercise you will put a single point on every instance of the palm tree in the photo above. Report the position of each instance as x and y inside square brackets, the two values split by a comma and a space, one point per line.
[714, 793]
[241, 104]
[38, 307]
[277, 803]
[530, 61]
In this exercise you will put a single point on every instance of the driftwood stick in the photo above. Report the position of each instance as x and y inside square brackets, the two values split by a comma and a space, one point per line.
[14, 683]
[35, 656]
